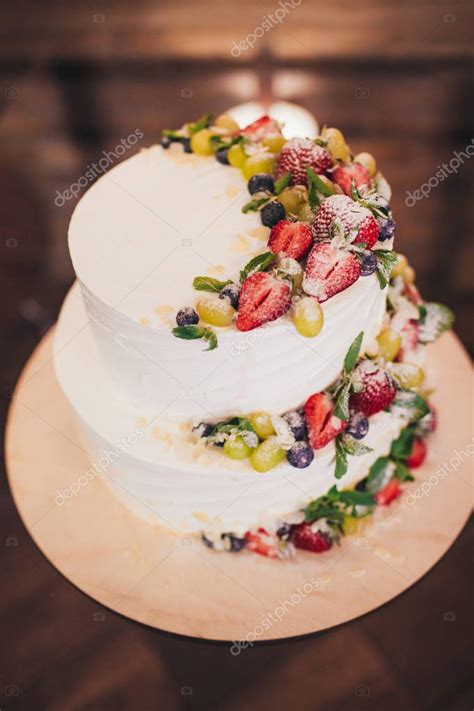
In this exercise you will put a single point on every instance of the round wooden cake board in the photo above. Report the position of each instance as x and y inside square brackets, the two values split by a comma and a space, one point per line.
[177, 584]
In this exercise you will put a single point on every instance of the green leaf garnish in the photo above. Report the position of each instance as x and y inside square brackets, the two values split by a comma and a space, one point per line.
[191, 333]
[385, 262]
[437, 318]
[256, 204]
[206, 283]
[341, 400]
[402, 473]
[201, 123]
[282, 182]
[313, 198]
[335, 505]
[353, 446]
[319, 184]
[380, 474]
[413, 403]
[235, 426]
[257, 264]
[402, 446]
[341, 458]
[172, 134]
[352, 354]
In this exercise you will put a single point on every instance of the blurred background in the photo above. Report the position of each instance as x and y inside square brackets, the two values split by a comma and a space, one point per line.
[75, 79]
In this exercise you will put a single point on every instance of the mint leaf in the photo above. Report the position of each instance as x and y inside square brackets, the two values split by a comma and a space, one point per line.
[257, 264]
[282, 182]
[201, 123]
[352, 354]
[191, 333]
[380, 474]
[385, 262]
[437, 319]
[319, 185]
[341, 458]
[255, 205]
[402, 473]
[206, 283]
[356, 498]
[341, 401]
[353, 446]
[235, 426]
[401, 447]
[414, 404]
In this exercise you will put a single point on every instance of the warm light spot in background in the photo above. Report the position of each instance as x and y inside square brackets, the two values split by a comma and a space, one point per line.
[296, 120]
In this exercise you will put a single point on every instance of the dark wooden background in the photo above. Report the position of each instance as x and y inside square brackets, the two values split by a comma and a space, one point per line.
[75, 78]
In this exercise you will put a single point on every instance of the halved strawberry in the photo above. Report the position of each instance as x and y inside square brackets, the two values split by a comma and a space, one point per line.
[303, 536]
[263, 298]
[261, 542]
[390, 492]
[329, 270]
[351, 215]
[378, 389]
[299, 154]
[417, 454]
[262, 127]
[345, 175]
[293, 239]
[321, 421]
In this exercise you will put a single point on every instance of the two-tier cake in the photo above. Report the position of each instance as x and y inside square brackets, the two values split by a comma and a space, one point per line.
[243, 348]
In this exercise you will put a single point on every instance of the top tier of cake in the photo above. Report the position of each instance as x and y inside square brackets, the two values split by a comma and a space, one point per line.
[138, 238]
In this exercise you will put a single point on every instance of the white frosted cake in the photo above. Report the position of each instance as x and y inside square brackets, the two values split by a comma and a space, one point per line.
[228, 346]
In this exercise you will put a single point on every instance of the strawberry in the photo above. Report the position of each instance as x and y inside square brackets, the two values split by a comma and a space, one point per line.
[321, 421]
[303, 536]
[261, 542]
[409, 337]
[389, 492]
[351, 215]
[299, 154]
[263, 298]
[417, 454]
[293, 239]
[345, 175]
[378, 389]
[329, 270]
[262, 127]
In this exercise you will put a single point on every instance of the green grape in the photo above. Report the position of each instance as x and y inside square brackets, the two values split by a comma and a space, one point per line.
[215, 311]
[237, 448]
[262, 424]
[259, 163]
[201, 143]
[236, 155]
[308, 317]
[267, 455]
[389, 344]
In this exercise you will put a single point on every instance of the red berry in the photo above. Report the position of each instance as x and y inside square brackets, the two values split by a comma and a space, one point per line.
[321, 421]
[378, 389]
[390, 492]
[302, 536]
[351, 215]
[409, 337]
[329, 270]
[263, 298]
[293, 239]
[261, 542]
[418, 454]
[299, 154]
[345, 175]
[264, 126]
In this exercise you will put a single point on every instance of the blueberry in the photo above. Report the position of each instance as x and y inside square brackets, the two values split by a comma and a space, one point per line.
[187, 317]
[232, 292]
[221, 156]
[358, 426]
[297, 423]
[166, 142]
[284, 531]
[272, 213]
[186, 143]
[261, 182]
[369, 264]
[236, 543]
[300, 455]
[387, 229]
[207, 541]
